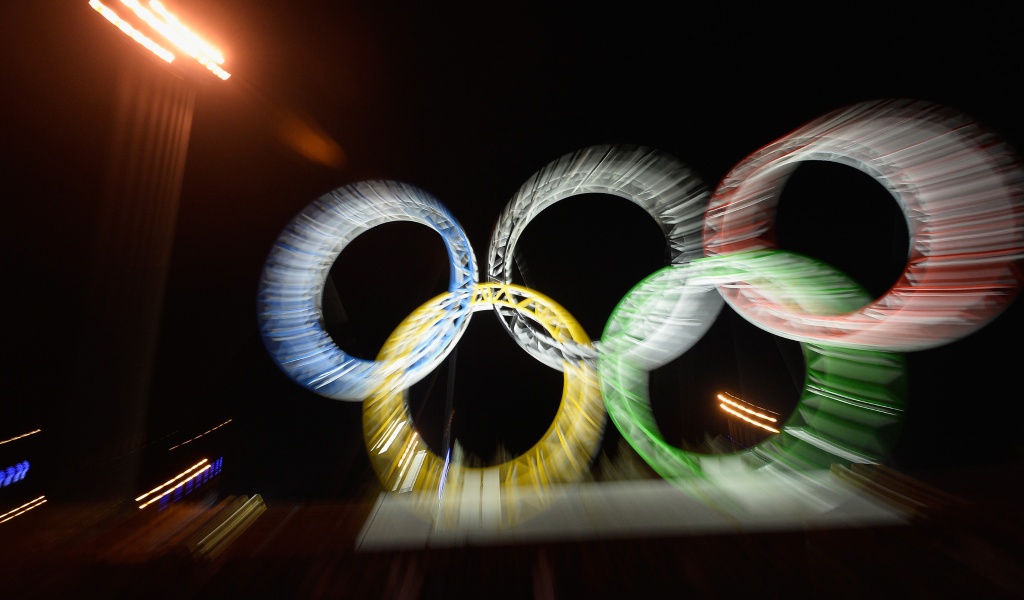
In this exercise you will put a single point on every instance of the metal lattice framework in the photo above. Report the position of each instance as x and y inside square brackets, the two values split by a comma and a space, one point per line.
[850, 409]
[660, 184]
[959, 185]
[292, 284]
[960, 188]
[404, 462]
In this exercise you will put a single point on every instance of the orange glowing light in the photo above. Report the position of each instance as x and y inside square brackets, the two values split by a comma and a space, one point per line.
[170, 27]
[199, 436]
[171, 490]
[18, 437]
[172, 480]
[747, 419]
[131, 32]
[24, 508]
[191, 43]
[745, 409]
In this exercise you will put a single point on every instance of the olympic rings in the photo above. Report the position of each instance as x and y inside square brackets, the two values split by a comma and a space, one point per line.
[289, 305]
[404, 462]
[960, 187]
[852, 403]
[666, 188]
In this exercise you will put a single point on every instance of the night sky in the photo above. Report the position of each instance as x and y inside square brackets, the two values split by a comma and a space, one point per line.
[466, 101]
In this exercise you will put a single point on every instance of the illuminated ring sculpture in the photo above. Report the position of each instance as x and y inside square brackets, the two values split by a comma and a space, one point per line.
[850, 409]
[958, 185]
[291, 287]
[403, 461]
[666, 188]
[960, 189]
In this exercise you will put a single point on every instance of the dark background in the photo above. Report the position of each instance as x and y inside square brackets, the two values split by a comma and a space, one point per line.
[466, 101]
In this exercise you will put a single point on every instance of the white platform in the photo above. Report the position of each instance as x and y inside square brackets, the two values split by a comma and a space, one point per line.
[741, 503]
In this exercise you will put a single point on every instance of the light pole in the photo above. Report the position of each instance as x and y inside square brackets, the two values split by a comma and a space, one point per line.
[102, 427]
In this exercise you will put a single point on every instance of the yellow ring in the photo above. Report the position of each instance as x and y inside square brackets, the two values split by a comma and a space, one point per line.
[404, 463]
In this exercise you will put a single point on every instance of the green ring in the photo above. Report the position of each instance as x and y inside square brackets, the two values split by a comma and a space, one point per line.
[851, 406]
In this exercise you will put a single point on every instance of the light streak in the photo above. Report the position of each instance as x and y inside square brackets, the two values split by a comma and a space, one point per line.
[397, 430]
[13, 474]
[233, 526]
[405, 464]
[168, 492]
[200, 435]
[408, 480]
[18, 437]
[171, 28]
[444, 474]
[823, 444]
[24, 508]
[131, 32]
[747, 419]
[172, 480]
[190, 485]
[745, 409]
[190, 40]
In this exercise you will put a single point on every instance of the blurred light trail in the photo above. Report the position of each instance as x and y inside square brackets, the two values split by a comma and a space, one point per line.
[18, 437]
[13, 474]
[199, 436]
[172, 480]
[228, 530]
[24, 508]
[960, 188]
[291, 286]
[747, 419]
[295, 128]
[303, 135]
[167, 25]
[131, 32]
[171, 28]
[189, 485]
[182, 483]
[746, 410]
[441, 482]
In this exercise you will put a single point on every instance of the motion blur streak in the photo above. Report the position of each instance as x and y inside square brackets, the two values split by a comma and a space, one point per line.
[7, 516]
[190, 42]
[168, 26]
[735, 502]
[173, 479]
[666, 188]
[748, 419]
[185, 482]
[961, 190]
[294, 128]
[911, 496]
[131, 32]
[14, 474]
[745, 409]
[515, 487]
[199, 436]
[292, 284]
[308, 139]
[667, 313]
[226, 531]
[18, 437]
[186, 40]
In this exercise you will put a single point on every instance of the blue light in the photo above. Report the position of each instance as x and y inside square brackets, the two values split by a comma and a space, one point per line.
[192, 483]
[13, 474]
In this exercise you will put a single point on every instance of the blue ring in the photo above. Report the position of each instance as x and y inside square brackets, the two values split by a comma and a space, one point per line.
[291, 286]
